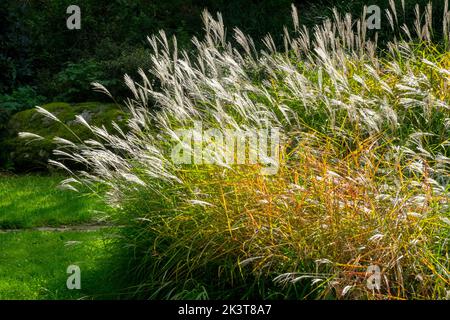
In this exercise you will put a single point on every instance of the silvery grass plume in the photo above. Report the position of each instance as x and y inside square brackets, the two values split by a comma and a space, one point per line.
[364, 154]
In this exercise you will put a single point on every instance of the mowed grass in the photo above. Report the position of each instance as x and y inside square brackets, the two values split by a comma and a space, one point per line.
[35, 201]
[33, 263]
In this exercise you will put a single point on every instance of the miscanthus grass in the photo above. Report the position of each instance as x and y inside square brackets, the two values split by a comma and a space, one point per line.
[363, 165]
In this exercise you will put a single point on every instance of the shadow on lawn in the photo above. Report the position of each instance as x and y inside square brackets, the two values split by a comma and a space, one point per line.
[33, 265]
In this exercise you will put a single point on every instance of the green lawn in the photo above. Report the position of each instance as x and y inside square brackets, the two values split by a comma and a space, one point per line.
[35, 201]
[33, 263]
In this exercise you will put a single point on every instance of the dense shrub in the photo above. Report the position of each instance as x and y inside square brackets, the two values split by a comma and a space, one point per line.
[4, 117]
[73, 83]
[128, 62]
[23, 98]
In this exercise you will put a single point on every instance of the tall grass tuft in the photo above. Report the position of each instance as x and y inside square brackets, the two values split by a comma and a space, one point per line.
[363, 175]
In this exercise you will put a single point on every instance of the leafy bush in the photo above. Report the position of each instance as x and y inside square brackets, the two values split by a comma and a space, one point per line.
[20, 99]
[128, 61]
[4, 118]
[23, 98]
[362, 178]
[73, 83]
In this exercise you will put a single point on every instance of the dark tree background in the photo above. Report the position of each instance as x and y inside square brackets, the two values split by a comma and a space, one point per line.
[41, 58]
[42, 61]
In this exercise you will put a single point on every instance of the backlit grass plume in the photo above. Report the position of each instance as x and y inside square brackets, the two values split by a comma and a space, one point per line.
[363, 164]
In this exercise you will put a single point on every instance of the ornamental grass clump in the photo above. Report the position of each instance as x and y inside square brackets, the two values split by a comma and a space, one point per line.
[361, 169]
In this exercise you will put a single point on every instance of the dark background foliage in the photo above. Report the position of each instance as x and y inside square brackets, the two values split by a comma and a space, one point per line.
[41, 61]
[38, 51]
